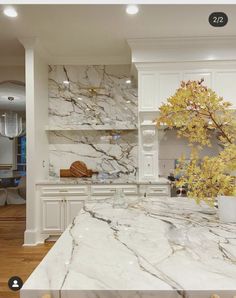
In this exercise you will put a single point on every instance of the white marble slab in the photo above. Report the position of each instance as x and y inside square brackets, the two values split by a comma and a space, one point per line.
[115, 155]
[163, 247]
[72, 104]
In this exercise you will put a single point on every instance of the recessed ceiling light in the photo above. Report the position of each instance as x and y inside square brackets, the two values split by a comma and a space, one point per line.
[132, 9]
[66, 82]
[128, 81]
[10, 12]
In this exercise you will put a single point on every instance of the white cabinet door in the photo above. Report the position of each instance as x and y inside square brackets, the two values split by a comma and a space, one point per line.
[53, 215]
[225, 85]
[73, 207]
[168, 84]
[197, 76]
[148, 97]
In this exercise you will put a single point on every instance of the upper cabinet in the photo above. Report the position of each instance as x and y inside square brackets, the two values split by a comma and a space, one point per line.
[169, 82]
[155, 87]
[225, 85]
[197, 76]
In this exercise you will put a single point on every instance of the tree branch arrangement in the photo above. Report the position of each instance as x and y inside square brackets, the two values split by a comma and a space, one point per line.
[200, 115]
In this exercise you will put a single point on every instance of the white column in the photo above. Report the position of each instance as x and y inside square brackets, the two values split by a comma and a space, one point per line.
[36, 79]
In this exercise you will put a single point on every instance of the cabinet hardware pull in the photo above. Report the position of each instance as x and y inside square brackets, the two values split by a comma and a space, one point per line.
[215, 296]
[46, 296]
[63, 190]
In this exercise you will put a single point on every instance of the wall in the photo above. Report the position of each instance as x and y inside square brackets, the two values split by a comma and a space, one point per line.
[114, 107]
[41, 117]
[14, 73]
[171, 148]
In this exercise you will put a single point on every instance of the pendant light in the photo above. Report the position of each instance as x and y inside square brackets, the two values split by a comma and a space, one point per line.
[11, 123]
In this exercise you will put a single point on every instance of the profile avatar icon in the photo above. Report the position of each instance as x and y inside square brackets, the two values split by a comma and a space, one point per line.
[15, 283]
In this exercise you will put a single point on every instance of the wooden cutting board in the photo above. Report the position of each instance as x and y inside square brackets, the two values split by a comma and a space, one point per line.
[77, 169]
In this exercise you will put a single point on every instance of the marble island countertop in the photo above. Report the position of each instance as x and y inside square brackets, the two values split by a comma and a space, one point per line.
[162, 247]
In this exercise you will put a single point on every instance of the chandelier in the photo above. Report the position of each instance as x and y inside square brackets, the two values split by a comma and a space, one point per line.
[11, 124]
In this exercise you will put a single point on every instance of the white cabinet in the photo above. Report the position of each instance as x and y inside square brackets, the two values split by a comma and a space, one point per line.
[148, 90]
[73, 207]
[53, 215]
[225, 85]
[155, 190]
[168, 84]
[197, 76]
[58, 213]
[61, 190]
[100, 192]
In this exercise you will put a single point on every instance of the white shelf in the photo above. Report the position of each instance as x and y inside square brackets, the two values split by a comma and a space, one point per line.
[84, 128]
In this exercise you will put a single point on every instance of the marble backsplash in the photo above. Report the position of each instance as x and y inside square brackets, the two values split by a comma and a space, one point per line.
[72, 105]
[84, 115]
[112, 153]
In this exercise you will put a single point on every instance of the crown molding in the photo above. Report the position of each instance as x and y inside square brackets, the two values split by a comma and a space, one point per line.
[183, 49]
[89, 60]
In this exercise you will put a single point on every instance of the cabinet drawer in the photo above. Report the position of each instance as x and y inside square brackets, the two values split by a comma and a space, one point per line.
[110, 190]
[64, 190]
[155, 190]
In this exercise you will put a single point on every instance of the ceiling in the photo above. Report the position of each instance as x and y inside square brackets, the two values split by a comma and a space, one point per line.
[101, 30]
[11, 89]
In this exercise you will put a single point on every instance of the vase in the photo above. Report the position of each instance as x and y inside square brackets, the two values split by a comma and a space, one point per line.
[227, 208]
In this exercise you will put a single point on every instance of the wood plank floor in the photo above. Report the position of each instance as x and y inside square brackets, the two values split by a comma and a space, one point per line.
[14, 258]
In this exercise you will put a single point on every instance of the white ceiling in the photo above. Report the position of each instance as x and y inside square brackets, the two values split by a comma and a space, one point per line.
[101, 30]
[17, 91]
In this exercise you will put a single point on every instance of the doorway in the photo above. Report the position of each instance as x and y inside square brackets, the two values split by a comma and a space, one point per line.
[12, 150]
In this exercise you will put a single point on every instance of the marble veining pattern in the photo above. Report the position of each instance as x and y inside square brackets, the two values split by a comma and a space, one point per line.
[72, 105]
[115, 155]
[162, 247]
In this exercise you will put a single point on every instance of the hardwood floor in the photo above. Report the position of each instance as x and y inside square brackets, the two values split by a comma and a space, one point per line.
[14, 258]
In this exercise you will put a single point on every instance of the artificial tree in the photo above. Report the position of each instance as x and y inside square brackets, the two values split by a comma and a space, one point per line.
[200, 115]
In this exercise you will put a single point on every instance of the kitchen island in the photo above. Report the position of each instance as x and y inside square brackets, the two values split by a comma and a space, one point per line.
[162, 247]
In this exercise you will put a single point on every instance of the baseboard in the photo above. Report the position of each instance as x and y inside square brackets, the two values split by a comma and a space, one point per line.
[33, 238]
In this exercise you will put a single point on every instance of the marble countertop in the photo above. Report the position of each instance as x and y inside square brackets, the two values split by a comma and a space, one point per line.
[96, 180]
[162, 247]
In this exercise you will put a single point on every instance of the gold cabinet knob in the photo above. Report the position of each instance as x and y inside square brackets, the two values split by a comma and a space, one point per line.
[46, 296]
[215, 296]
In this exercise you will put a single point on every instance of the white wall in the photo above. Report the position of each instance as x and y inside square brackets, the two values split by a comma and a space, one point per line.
[171, 148]
[37, 143]
[41, 117]
[7, 152]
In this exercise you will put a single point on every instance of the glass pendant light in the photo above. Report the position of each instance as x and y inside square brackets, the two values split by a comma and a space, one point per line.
[11, 125]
